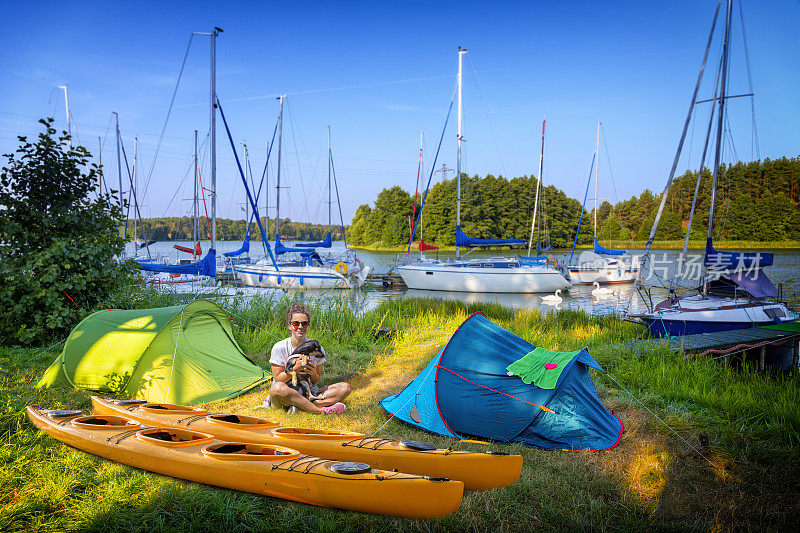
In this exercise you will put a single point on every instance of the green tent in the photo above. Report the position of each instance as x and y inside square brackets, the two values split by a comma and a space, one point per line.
[182, 354]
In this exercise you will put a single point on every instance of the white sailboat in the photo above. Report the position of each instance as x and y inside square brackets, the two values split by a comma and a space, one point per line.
[601, 265]
[735, 293]
[305, 268]
[496, 274]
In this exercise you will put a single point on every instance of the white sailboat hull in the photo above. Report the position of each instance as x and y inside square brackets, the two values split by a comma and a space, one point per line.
[604, 270]
[696, 314]
[513, 279]
[292, 277]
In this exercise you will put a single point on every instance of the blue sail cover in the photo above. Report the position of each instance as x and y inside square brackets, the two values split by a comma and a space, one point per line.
[466, 390]
[605, 251]
[245, 246]
[281, 249]
[325, 243]
[463, 240]
[716, 260]
[205, 267]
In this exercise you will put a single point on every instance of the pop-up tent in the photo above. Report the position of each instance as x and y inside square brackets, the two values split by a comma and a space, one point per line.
[487, 382]
[182, 354]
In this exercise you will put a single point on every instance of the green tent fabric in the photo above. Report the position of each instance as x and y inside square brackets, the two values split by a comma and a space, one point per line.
[533, 367]
[181, 354]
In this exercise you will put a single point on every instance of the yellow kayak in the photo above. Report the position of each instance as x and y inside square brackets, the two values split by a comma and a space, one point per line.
[476, 470]
[270, 470]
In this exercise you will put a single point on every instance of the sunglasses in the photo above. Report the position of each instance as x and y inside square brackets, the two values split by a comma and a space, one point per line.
[299, 323]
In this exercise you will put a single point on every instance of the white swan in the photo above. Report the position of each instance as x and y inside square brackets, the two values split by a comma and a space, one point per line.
[604, 291]
[552, 299]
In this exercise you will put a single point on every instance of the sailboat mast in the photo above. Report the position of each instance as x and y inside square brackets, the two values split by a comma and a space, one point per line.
[194, 198]
[721, 119]
[266, 191]
[461, 52]
[214, 34]
[246, 201]
[278, 185]
[596, 178]
[419, 173]
[135, 183]
[69, 120]
[330, 160]
[536, 201]
[119, 174]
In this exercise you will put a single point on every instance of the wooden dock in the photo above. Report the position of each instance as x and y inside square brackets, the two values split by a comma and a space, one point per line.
[764, 343]
[388, 279]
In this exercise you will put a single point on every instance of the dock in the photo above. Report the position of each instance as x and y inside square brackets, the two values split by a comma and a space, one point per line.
[774, 345]
[387, 279]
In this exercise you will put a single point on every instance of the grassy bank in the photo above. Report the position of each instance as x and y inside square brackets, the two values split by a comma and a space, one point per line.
[746, 424]
[629, 245]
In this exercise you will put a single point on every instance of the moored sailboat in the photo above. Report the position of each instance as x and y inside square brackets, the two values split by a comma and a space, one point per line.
[735, 293]
[496, 274]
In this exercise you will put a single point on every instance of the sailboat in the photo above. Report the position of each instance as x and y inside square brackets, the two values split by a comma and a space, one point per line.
[602, 265]
[735, 292]
[502, 275]
[206, 268]
[305, 268]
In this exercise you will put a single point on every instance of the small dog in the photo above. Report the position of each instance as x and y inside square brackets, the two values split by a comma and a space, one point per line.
[301, 382]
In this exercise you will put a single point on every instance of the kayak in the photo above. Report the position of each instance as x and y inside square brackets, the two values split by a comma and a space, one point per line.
[476, 470]
[270, 470]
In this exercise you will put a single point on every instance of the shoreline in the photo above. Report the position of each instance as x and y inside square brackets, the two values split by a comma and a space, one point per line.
[628, 245]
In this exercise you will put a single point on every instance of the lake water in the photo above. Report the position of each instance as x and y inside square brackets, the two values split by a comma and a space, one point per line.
[785, 273]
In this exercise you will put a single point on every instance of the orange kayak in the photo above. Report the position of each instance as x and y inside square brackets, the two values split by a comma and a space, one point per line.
[270, 470]
[476, 470]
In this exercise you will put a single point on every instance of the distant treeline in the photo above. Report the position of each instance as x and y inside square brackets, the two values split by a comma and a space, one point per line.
[180, 229]
[756, 201]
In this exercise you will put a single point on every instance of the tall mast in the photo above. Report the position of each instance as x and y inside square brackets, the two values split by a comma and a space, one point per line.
[246, 200]
[419, 173]
[214, 34]
[194, 198]
[119, 172]
[69, 120]
[596, 177]
[135, 178]
[266, 192]
[278, 184]
[330, 160]
[461, 52]
[720, 121]
[536, 201]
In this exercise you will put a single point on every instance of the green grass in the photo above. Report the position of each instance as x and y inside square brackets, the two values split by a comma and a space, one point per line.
[652, 480]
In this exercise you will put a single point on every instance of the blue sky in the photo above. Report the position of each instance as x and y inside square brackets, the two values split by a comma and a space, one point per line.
[379, 73]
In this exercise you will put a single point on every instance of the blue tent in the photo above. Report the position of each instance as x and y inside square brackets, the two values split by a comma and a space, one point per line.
[489, 383]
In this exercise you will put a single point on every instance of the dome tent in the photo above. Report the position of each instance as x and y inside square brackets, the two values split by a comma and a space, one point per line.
[182, 354]
[489, 383]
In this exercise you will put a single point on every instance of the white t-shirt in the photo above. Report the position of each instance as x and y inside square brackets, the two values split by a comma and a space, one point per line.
[283, 350]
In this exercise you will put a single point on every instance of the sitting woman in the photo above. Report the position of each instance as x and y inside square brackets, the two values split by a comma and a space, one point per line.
[281, 395]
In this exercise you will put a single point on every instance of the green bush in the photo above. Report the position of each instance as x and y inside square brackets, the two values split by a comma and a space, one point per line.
[59, 239]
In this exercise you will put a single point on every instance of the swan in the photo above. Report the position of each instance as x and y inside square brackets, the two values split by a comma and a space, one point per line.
[604, 291]
[552, 299]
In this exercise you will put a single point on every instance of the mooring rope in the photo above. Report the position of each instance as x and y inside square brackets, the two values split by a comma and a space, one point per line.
[659, 419]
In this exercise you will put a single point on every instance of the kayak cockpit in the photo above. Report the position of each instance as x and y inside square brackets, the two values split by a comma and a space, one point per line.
[104, 422]
[237, 451]
[241, 421]
[173, 438]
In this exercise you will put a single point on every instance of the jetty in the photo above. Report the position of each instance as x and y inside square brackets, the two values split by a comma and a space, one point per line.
[774, 345]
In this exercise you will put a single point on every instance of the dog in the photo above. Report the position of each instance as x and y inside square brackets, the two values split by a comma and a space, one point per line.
[300, 381]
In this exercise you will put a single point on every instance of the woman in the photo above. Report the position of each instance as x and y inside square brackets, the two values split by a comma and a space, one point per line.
[298, 320]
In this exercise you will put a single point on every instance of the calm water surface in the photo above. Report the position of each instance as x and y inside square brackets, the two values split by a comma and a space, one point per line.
[785, 273]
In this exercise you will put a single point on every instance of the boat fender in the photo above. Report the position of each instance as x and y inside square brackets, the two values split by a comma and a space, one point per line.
[417, 445]
[350, 468]
[341, 267]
